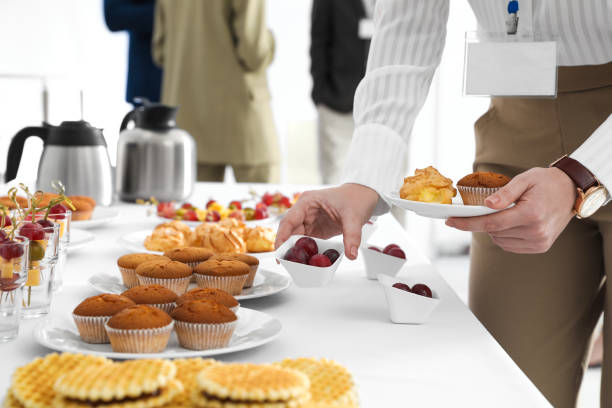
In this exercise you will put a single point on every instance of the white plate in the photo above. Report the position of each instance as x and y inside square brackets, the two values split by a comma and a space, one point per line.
[100, 216]
[135, 242]
[442, 211]
[80, 238]
[252, 224]
[266, 283]
[254, 329]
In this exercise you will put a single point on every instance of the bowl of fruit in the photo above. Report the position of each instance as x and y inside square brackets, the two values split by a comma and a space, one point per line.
[311, 262]
[409, 302]
[383, 260]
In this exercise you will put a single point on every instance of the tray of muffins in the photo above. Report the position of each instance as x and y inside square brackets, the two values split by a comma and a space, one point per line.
[430, 194]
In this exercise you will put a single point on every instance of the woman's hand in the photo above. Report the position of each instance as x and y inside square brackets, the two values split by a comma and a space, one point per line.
[329, 212]
[544, 202]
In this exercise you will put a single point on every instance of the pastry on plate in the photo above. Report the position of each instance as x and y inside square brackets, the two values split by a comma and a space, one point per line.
[229, 276]
[429, 186]
[127, 266]
[475, 187]
[219, 240]
[204, 324]
[92, 313]
[84, 207]
[170, 274]
[251, 261]
[169, 235]
[259, 239]
[214, 294]
[153, 295]
[139, 329]
[8, 203]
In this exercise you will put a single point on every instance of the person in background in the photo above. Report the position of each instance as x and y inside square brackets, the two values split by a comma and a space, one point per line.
[136, 17]
[338, 52]
[215, 54]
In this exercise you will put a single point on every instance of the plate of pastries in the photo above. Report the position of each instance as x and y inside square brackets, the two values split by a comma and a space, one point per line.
[78, 380]
[430, 194]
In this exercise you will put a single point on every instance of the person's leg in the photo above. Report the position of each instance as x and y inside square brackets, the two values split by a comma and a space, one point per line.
[606, 371]
[542, 309]
[211, 172]
[258, 173]
[335, 131]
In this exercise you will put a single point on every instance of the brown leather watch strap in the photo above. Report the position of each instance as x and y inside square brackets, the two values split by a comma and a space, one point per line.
[583, 178]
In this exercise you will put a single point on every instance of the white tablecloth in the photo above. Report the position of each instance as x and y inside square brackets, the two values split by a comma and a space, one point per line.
[449, 361]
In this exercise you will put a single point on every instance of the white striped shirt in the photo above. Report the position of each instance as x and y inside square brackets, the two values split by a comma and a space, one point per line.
[406, 50]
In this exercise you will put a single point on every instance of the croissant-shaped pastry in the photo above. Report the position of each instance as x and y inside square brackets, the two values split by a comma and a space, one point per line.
[223, 240]
[259, 239]
[164, 239]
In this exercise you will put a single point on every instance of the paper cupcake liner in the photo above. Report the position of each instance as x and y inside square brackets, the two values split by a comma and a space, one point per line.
[166, 307]
[91, 328]
[177, 285]
[251, 276]
[130, 279]
[192, 265]
[475, 195]
[139, 340]
[203, 336]
[231, 284]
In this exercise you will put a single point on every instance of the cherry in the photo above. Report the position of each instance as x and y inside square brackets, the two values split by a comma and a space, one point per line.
[396, 252]
[190, 216]
[212, 216]
[402, 286]
[297, 255]
[267, 199]
[332, 254]
[32, 231]
[260, 213]
[319, 260]
[166, 210]
[210, 202]
[307, 244]
[57, 211]
[389, 247]
[187, 206]
[45, 223]
[374, 249]
[262, 206]
[3, 236]
[10, 249]
[8, 284]
[285, 202]
[5, 221]
[235, 205]
[421, 289]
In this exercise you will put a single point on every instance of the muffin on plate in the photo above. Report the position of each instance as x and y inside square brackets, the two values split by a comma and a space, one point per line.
[214, 294]
[475, 187]
[171, 274]
[153, 295]
[92, 313]
[139, 329]
[251, 261]
[191, 256]
[204, 324]
[128, 263]
[229, 276]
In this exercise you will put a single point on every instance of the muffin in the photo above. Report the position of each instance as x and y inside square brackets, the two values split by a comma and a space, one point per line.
[229, 276]
[251, 261]
[171, 274]
[191, 256]
[475, 187]
[152, 295]
[92, 313]
[204, 324]
[214, 294]
[139, 329]
[127, 266]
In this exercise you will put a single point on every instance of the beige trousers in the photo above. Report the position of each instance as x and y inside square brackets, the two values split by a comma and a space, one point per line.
[335, 133]
[543, 308]
[259, 173]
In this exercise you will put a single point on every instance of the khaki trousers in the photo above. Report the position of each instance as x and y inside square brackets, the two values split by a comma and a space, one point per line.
[335, 133]
[543, 308]
[258, 173]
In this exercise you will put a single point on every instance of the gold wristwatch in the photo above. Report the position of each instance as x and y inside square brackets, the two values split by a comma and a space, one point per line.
[592, 195]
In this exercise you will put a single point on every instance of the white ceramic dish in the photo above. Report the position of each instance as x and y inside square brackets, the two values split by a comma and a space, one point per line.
[135, 241]
[378, 263]
[440, 211]
[254, 329]
[406, 307]
[307, 276]
[100, 216]
[367, 231]
[79, 238]
[266, 283]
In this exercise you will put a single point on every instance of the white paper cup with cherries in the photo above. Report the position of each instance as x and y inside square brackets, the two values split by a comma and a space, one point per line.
[311, 262]
[386, 260]
[408, 301]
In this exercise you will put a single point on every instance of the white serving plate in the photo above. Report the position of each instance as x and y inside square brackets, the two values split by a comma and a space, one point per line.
[79, 238]
[441, 211]
[134, 241]
[100, 216]
[266, 283]
[58, 332]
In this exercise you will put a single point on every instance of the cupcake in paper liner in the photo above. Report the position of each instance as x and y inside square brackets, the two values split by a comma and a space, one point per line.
[204, 324]
[139, 329]
[128, 263]
[227, 275]
[251, 261]
[91, 315]
[217, 295]
[173, 275]
[190, 256]
[476, 187]
[153, 295]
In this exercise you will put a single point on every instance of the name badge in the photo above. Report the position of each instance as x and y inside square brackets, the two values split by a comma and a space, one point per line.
[366, 28]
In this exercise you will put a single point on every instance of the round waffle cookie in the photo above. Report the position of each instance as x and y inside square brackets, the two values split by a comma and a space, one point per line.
[10, 401]
[186, 372]
[32, 384]
[133, 384]
[331, 385]
[250, 385]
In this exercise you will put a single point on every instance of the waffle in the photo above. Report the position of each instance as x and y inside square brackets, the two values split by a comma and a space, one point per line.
[187, 371]
[32, 384]
[137, 384]
[331, 385]
[250, 385]
[10, 401]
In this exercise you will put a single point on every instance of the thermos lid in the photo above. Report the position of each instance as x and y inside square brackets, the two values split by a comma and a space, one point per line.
[156, 117]
[75, 133]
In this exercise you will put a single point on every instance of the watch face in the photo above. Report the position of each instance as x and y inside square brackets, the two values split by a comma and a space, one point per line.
[592, 202]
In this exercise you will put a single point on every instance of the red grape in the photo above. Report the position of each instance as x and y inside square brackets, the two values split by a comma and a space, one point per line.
[5, 221]
[3, 236]
[261, 213]
[374, 249]
[210, 202]
[332, 254]
[57, 211]
[421, 289]
[235, 205]
[307, 244]
[389, 247]
[297, 255]
[267, 199]
[396, 252]
[8, 284]
[190, 216]
[45, 223]
[285, 202]
[10, 249]
[32, 231]
[402, 286]
[212, 216]
[187, 206]
[319, 260]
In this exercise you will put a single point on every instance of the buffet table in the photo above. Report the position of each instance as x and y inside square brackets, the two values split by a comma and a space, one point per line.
[451, 360]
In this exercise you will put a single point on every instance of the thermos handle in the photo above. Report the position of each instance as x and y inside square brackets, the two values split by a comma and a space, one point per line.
[16, 148]
[127, 119]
